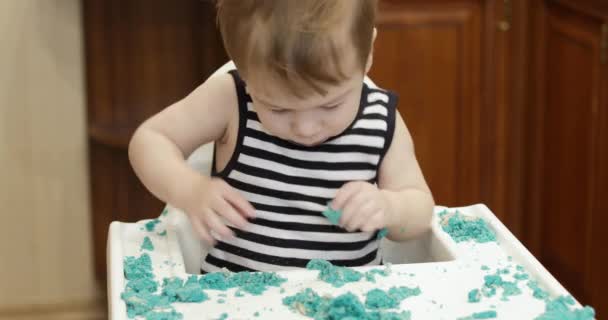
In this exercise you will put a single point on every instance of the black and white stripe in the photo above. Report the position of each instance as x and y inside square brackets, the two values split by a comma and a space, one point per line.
[290, 185]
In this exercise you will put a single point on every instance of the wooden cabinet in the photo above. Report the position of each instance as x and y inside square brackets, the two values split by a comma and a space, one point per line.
[453, 65]
[568, 190]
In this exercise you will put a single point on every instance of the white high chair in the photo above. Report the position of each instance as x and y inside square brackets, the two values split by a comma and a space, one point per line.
[450, 264]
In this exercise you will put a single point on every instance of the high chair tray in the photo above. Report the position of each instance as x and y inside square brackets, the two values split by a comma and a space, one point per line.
[446, 272]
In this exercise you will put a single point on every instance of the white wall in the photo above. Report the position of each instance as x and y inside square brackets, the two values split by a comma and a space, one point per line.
[45, 233]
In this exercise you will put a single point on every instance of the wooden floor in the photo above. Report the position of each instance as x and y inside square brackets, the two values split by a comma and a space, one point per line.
[96, 310]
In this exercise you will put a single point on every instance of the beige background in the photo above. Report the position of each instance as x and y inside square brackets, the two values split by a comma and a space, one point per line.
[45, 239]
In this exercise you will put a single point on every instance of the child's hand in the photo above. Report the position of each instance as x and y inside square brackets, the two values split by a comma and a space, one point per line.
[363, 206]
[210, 202]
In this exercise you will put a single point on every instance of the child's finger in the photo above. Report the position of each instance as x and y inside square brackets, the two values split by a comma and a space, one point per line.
[359, 217]
[344, 194]
[200, 229]
[227, 211]
[239, 202]
[354, 204]
[214, 223]
[373, 223]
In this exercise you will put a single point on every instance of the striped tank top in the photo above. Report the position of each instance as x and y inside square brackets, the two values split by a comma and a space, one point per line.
[290, 186]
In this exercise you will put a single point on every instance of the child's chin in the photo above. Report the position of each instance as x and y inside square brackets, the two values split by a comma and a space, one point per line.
[307, 144]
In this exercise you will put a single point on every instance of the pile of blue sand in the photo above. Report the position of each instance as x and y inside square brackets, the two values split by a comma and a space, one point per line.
[152, 224]
[380, 299]
[371, 274]
[147, 244]
[348, 306]
[462, 228]
[560, 308]
[334, 275]
[338, 276]
[491, 284]
[139, 294]
[142, 298]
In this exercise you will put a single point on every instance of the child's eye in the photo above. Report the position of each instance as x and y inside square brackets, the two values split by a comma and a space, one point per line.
[279, 110]
[330, 107]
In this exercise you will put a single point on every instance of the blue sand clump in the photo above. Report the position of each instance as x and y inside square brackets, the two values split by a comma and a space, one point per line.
[152, 224]
[462, 228]
[147, 244]
[474, 296]
[560, 308]
[334, 217]
[380, 299]
[382, 233]
[371, 274]
[334, 275]
[492, 283]
[537, 292]
[346, 306]
[142, 298]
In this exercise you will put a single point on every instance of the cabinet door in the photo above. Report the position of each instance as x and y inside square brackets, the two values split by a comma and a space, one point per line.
[568, 154]
[452, 64]
[429, 53]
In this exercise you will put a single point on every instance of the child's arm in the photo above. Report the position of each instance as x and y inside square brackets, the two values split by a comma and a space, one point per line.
[410, 202]
[158, 149]
[402, 202]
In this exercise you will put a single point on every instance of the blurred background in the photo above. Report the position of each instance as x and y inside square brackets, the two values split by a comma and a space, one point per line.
[507, 101]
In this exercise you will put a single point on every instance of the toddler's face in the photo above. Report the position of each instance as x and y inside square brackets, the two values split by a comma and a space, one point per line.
[310, 120]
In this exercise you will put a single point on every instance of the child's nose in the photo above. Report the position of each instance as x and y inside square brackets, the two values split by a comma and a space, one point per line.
[306, 128]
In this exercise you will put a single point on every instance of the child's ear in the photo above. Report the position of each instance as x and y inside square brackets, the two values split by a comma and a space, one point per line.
[370, 57]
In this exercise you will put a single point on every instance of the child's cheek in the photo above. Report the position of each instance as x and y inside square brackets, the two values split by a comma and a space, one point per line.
[275, 123]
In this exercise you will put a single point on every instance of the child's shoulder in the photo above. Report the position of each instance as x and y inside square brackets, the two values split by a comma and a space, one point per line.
[218, 88]
[216, 96]
[204, 115]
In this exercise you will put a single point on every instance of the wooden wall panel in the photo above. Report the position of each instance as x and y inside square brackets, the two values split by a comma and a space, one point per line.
[141, 57]
[598, 252]
[46, 260]
[568, 172]
[567, 167]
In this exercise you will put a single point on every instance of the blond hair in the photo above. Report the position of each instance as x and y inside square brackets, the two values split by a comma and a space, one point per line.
[294, 40]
